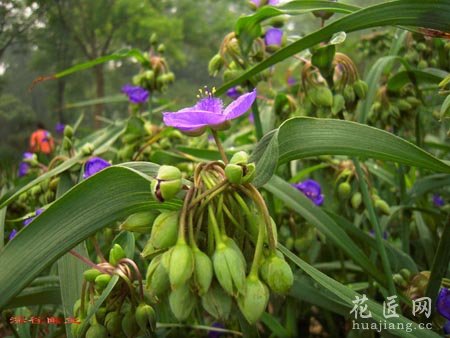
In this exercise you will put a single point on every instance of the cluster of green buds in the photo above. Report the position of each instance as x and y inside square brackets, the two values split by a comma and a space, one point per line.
[125, 311]
[423, 52]
[67, 141]
[200, 256]
[155, 75]
[375, 43]
[332, 84]
[395, 108]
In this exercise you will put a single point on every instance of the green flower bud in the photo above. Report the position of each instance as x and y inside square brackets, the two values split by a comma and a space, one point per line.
[217, 302]
[91, 274]
[100, 314]
[344, 190]
[241, 157]
[129, 325]
[324, 15]
[87, 149]
[349, 94]
[116, 254]
[74, 329]
[146, 318]
[36, 190]
[140, 222]
[68, 131]
[356, 200]
[96, 331]
[101, 281]
[154, 39]
[203, 271]
[229, 269]
[360, 87]
[215, 65]
[182, 302]
[149, 75]
[254, 302]
[383, 206]
[234, 173]
[338, 104]
[422, 64]
[113, 322]
[277, 273]
[167, 183]
[161, 48]
[67, 145]
[181, 265]
[404, 105]
[165, 230]
[399, 280]
[413, 101]
[321, 96]
[406, 274]
[157, 279]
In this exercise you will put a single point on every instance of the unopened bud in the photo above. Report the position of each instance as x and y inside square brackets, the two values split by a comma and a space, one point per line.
[116, 254]
[167, 183]
[140, 222]
[87, 149]
[253, 303]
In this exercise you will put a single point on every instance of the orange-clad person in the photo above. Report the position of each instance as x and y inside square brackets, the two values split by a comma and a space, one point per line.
[41, 141]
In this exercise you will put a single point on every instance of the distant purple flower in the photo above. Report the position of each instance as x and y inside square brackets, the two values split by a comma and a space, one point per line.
[385, 234]
[30, 219]
[291, 81]
[257, 3]
[135, 94]
[312, 190]
[24, 167]
[216, 334]
[94, 165]
[251, 118]
[12, 234]
[208, 112]
[28, 156]
[273, 37]
[438, 201]
[447, 327]
[443, 303]
[233, 93]
[59, 128]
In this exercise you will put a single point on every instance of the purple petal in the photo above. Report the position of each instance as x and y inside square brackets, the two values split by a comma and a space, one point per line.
[233, 93]
[318, 200]
[312, 190]
[94, 165]
[438, 201]
[447, 327]
[12, 234]
[273, 37]
[31, 219]
[23, 169]
[210, 104]
[273, 2]
[240, 105]
[59, 128]
[28, 156]
[135, 94]
[443, 303]
[190, 119]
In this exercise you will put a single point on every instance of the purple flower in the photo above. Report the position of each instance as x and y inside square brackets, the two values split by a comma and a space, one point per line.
[443, 303]
[24, 167]
[273, 37]
[59, 128]
[251, 118]
[12, 234]
[208, 112]
[31, 219]
[438, 201]
[385, 234]
[233, 93]
[257, 3]
[94, 165]
[28, 156]
[312, 190]
[216, 334]
[291, 81]
[135, 94]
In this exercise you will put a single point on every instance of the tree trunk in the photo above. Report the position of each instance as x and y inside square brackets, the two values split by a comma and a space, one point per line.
[100, 86]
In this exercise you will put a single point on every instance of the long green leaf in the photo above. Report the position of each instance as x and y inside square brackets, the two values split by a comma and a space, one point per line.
[298, 202]
[37, 295]
[416, 13]
[304, 137]
[348, 296]
[428, 76]
[99, 201]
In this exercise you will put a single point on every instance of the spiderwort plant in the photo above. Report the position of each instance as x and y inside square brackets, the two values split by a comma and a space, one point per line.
[136, 94]
[94, 165]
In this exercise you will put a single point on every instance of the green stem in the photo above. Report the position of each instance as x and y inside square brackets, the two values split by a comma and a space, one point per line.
[210, 192]
[182, 227]
[215, 226]
[377, 228]
[258, 251]
[219, 146]
[256, 117]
